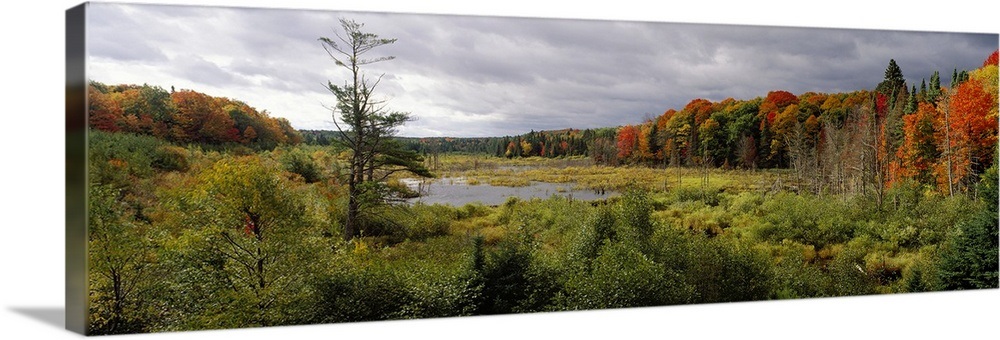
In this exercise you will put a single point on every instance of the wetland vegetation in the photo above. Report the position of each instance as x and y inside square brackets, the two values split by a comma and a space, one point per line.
[207, 213]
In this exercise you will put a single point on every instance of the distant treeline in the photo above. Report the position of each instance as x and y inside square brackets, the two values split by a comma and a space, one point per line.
[185, 116]
[556, 143]
[935, 134]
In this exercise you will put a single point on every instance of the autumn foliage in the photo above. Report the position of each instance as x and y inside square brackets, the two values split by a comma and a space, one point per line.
[628, 140]
[861, 139]
[991, 60]
[918, 154]
[969, 142]
[185, 116]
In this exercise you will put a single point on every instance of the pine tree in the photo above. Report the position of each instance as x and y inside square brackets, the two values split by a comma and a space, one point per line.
[923, 89]
[893, 79]
[365, 126]
[934, 91]
[970, 259]
[911, 102]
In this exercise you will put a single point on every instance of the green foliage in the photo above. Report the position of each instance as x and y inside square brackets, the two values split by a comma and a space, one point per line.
[361, 295]
[612, 267]
[171, 158]
[795, 276]
[426, 221]
[848, 270]
[622, 276]
[299, 162]
[594, 234]
[122, 266]
[116, 158]
[724, 270]
[472, 210]
[709, 196]
[260, 244]
[748, 203]
[513, 280]
[969, 260]
[182, 229]
[805, 219]
[632, 215]
[917, 219]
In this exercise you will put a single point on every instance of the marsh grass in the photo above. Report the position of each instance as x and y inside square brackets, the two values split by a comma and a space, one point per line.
[581, 174]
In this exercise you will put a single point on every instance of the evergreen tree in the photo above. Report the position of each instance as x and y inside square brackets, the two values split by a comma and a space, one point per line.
[911, 102]
[934, 91]
[365, 126]
[923, 89]
[893, 79]
[970, 260]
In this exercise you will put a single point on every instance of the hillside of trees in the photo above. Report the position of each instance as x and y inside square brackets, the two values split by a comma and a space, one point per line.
[185, 116]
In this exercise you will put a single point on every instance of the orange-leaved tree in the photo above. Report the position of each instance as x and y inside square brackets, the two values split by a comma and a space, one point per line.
[918, 153]
[628, 139]
[969, 135]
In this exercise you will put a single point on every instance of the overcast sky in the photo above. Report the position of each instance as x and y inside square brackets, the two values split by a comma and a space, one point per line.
[467, 76]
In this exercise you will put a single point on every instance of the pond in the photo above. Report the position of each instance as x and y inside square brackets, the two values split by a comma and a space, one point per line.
[457, 192]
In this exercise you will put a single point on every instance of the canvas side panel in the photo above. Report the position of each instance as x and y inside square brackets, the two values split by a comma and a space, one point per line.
[76, 170]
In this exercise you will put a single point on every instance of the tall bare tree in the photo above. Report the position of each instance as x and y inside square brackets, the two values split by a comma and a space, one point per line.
[365, 125]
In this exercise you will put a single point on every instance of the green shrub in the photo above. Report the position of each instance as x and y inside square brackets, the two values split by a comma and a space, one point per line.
[745, 203]
[472, 210]
[361, 294]
[424, 221]
[969, 259]
[171, 158]
[794, 274]
[633, 217]
[299, 162]
[622, 276]
[723, 271]
[512, 281]
[805, 219]
[848, 272]
[710, 196]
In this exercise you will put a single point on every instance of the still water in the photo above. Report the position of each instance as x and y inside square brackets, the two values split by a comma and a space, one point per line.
[457, 192]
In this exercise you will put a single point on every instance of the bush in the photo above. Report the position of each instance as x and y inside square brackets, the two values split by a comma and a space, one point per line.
[709, 196]
[969, 260]
[633, 217]
[511, 280]
[426, 221]
[171, 158]
[299, 162]
[746, 203]
[472, 210]
[622, 276]
[361, 294]
[794, 274]
[848, 270]
[114, 157]
[805, 219]
[724, 271]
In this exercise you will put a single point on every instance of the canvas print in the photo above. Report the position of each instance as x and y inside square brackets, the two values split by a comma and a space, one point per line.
[262, 167]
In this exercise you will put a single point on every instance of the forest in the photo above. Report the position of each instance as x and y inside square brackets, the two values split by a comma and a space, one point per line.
[206, 213]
